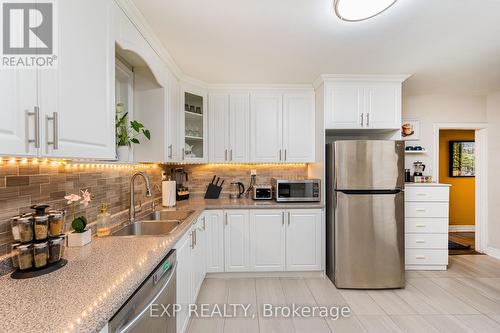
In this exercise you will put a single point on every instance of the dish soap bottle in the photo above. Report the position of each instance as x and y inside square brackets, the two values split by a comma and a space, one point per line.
[103, 221]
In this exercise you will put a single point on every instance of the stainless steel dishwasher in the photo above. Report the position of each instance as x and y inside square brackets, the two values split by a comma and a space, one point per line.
[157, 292]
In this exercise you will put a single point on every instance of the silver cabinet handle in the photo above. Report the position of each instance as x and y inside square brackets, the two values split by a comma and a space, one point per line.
[362, 119]
[367, 119]
[204, 223]
[282, 218]
[36, 123]
[225, 218]
[170, 149]
[225, 155]
[192, 239]
[183, 154]
[289, 215]
[280, 154]
[230, 154]
[55, 130]
[285, 154]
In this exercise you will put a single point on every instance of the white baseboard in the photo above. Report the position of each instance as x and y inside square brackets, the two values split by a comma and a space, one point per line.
[495, 253]
[462, 228]
[231, 275]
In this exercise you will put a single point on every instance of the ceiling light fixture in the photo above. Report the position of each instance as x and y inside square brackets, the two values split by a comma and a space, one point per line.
[360, 10]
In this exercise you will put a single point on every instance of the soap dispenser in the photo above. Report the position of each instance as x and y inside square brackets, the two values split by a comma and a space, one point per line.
[104, 221]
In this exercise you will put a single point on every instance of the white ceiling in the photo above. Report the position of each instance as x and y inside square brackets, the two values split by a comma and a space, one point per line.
[450, 46]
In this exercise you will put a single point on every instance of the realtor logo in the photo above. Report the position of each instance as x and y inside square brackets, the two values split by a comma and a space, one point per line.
[28, 39]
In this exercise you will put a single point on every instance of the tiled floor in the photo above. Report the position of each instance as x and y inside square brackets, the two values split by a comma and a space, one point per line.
[466, 298]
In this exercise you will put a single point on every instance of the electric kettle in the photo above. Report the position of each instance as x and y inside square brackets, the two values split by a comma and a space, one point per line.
[236, 190]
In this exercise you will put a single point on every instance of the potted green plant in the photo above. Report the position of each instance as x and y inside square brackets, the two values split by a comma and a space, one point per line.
[80, 236]
[127, 133]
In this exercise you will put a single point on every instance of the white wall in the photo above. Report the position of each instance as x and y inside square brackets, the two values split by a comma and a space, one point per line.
[493, 111]
[431, 109]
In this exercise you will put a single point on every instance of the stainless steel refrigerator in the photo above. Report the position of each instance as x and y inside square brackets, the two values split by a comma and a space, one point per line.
[365, 214]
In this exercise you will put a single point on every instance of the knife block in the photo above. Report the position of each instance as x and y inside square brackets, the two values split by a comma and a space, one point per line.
[213, 191]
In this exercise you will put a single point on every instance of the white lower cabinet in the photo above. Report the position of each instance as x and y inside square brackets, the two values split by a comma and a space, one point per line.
[303, 240]
[267, 240]
[236, 241]
[214, 240]
[191, 269]
[426, 227]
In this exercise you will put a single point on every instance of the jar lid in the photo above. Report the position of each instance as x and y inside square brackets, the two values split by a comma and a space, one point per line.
[24, 247]
[24, 219]
[56, 240]
[41, 218]
[38, 245]
[56, 213]
[14, 245]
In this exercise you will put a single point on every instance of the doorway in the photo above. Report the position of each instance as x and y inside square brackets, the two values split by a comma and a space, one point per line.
[468, 201]
[457, 168]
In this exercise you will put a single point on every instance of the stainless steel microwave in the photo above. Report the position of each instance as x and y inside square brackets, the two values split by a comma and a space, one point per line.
[296, 190]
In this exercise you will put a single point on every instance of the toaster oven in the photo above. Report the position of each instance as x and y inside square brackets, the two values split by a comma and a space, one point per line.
[262, 192]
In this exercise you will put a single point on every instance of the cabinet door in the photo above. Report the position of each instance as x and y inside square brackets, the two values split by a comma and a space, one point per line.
[199, 261]
[184, 281]
[236, 241]
[218, 119]
[81, 92]
[266, 127]
[239, 128]
[214, 236]
[17, 99]
[344, 106]
[303, 240]
[267, 240]
[298, 127]
[383, 106]
[173, 117]
[194, 124]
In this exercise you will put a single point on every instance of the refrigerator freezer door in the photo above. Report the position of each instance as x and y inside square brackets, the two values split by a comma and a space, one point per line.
[364, 165]
[369, 241]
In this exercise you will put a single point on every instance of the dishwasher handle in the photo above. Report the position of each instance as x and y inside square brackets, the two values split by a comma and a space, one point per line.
[131, 322]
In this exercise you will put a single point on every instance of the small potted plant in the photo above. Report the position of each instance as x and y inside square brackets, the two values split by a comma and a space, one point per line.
[80, 236]
[127, 133]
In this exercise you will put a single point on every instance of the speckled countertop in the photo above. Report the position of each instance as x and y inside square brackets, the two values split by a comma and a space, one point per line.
[99, 277]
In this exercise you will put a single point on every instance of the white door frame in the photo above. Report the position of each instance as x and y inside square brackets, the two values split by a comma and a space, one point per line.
[481, 156]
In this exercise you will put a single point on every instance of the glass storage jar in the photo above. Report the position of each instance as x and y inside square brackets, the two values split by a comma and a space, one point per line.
[40, 254]
[56, 223]
[41, 227]
[25, 256]
[14, 252]
[55, 249]
[25, 228]
[63, 244]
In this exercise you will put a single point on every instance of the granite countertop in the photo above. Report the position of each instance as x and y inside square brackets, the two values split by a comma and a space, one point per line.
[99, 277]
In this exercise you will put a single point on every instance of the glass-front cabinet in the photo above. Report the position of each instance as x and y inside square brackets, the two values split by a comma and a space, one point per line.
[195, 123]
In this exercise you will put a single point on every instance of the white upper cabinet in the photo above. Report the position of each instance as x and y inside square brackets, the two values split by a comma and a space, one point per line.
[383, 106]
[363, 103]
[173, 119]
[229, 127]
[298, 127]
[266, 127]
[19, 131]
[344, 106]
[194, 124]
[77, 99]
[239, 129]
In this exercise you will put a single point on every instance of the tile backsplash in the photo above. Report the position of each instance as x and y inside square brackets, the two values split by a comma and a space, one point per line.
[201, 174]
[29, 183]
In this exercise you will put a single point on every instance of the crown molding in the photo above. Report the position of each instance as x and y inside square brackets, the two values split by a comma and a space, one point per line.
[360, 77]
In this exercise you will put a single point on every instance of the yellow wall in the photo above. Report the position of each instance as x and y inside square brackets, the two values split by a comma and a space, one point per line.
[462, 192]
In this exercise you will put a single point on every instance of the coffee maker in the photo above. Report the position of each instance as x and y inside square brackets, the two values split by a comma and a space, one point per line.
[180, 176]
[419, 168]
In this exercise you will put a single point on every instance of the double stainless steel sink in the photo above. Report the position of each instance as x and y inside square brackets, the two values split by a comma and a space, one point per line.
[157, 223]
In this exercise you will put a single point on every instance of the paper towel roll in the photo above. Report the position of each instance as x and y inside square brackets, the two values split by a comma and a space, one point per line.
[168, 191]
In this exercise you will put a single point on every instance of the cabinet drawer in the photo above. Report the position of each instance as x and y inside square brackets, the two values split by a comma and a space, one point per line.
[426, 241]
[426, 257]
[426, 225]
[426, 209]
[427, 194]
